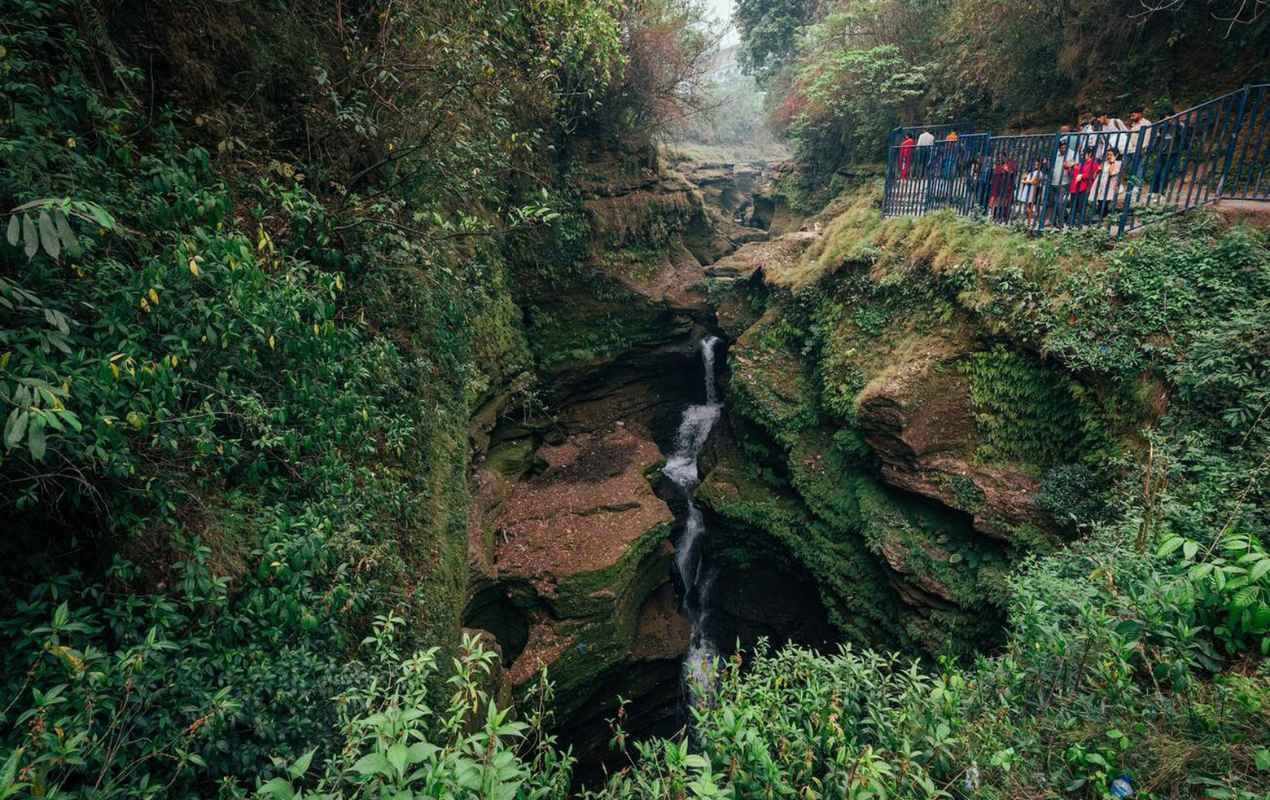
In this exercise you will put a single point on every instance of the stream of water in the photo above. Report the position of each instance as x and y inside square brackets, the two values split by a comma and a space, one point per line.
[681, 468]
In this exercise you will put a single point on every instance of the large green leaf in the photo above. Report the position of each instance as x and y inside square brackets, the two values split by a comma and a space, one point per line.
[29, 236]
[1259, 569]
[48, 236]
[15, 427]
[371, 764]
[64, 232]
[36, 438]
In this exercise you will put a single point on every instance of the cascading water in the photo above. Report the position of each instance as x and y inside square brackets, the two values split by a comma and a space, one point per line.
[681, 468]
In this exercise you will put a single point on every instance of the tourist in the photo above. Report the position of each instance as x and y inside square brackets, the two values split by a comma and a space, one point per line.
[1060, 177]
[925, 141]
[1071, 137]
[1082, 181]
[981, 183]
[1001, 194]
[906, 155]
[1114, 125]
[1107, 185]
[1136, 148]
[950, 155]
[1029, 192]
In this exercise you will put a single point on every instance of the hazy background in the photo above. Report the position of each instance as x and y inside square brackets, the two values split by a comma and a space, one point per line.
[722, 10]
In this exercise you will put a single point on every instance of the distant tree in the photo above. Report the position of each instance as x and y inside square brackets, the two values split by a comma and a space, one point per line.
[668, 45]
[769, 33]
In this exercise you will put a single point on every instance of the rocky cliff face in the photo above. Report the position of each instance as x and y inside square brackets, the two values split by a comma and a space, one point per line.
[891, 438]
[569, 545]
[863, 486]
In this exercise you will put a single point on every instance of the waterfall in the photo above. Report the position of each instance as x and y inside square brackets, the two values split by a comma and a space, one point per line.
[681, 468]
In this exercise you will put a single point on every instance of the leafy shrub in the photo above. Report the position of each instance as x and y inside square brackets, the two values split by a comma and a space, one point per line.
[235, 386]
[399, 745]
[1028, 413]
[1074, 494]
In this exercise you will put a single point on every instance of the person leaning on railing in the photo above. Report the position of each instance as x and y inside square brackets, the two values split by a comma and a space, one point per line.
[1082, 181]
[1107, 185]
[924, 143]
[1060, 178]
[1030, 189]
[906, 155]
[1137, 147]
[1001, 194]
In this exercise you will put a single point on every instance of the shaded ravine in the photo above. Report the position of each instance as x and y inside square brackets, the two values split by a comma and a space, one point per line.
[681, 468]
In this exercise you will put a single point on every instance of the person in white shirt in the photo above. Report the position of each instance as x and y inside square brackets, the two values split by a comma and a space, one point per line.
[1060, 178]
[1114, 124]
[1137, 147]
[1030, 191]
[1106, 183]
[924, 142]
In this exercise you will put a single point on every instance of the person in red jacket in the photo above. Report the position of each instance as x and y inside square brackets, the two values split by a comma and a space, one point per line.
[906, 154]
[1082, 180]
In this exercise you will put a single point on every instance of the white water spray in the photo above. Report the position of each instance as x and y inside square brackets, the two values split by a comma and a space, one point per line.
[681, 468]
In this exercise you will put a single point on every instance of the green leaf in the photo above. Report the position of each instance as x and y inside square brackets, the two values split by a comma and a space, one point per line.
[29, 236]
[36, 439]
[1189, 550]
[64, 232]
[371, 764]
[1262, 759]
[397, 755]
[1170, 545]
[277, 788]
[48, 236]
[15, 427]
[1259, 570]
[1129, 628]
[100, 215]
[15, 230]
[70, 419]
[301, 764]
[9, 772]
[1200, 571]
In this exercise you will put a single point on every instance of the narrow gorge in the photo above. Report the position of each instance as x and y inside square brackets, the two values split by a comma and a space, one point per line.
[710, 476]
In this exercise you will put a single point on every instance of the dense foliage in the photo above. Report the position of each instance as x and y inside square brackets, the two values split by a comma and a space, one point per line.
[254, 285]
[257, 277]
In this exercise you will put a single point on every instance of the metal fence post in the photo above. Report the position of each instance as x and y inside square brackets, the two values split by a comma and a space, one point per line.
[1234, 138]
[1045, 185]
[888, 191]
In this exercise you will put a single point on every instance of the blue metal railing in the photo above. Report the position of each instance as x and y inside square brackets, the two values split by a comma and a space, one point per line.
[1116, 179]
[896, 136]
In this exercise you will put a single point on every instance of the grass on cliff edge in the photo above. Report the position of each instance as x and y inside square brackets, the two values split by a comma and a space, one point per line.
[856, 232]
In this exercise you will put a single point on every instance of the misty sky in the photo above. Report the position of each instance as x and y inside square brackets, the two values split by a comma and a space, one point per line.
[723, 11]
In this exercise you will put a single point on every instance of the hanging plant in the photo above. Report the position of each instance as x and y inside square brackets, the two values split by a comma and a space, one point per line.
[45, 225]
